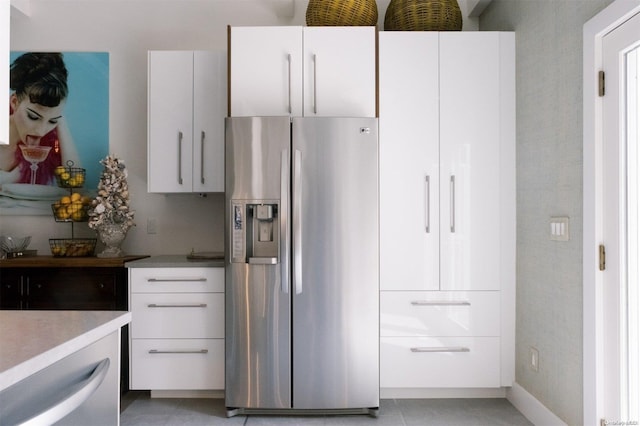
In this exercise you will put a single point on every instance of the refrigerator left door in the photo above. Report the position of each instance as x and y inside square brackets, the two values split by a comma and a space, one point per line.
[257, 300]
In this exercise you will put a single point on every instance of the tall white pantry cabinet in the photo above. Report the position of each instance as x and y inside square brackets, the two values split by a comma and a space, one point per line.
[447, 209]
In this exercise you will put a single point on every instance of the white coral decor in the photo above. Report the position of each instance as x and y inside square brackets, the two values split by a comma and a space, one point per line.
[111, 206]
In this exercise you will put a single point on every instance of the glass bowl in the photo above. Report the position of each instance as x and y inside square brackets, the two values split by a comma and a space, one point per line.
[14, 244]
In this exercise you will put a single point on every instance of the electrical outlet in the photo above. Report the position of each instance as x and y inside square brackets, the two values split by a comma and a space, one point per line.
[534, 359]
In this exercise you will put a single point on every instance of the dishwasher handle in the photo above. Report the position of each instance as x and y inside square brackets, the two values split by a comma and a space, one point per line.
[73, 398]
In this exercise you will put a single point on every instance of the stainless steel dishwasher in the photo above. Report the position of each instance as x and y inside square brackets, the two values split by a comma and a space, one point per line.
[80, 389]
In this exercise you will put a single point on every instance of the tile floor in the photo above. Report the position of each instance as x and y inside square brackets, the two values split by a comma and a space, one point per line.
[139, 409]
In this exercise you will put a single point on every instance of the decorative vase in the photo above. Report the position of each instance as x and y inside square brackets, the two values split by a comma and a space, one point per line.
[112, 235]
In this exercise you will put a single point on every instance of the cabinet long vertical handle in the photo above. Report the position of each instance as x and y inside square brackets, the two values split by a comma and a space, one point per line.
[452, 187]
[289, 68]
[202, 137]
[297, 221]
[285, 185]
[315, 85]
[179, 158]
[427, 204]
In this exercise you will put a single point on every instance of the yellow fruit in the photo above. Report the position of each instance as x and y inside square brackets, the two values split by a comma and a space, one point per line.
[77, 215]
[72, 182]
[75, 197]
[86, 200]
[56, 251]
[79, 178]
[65, 175]
[59, 170]
[65, 200]
[62, 213]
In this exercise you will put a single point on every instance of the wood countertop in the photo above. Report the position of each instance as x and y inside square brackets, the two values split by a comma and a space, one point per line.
[67, 262]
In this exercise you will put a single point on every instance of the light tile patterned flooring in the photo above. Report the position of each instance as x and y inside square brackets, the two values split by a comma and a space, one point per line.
[139, 409]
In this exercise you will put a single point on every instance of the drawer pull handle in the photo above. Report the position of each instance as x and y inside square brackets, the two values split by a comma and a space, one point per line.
[197, 351]
[440, 303]
[171, 280]
[174, 305]
[441, 349]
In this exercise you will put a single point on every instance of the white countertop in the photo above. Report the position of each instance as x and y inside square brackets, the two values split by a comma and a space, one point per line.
[33, 340]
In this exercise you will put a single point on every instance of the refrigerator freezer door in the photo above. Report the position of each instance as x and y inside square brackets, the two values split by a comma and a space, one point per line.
[257, 302]
[335, 263]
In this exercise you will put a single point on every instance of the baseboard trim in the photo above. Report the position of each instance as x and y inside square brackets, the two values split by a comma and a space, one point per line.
[415, 393]
[217, 394]
[531, 408]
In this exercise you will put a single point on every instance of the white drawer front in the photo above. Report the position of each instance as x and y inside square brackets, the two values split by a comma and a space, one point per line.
[177, 315]
[176, 280]
[445, 362]
[439, 313]
[177, 364]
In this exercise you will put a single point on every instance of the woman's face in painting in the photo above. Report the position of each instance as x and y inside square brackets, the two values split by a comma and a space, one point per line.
[33, 121]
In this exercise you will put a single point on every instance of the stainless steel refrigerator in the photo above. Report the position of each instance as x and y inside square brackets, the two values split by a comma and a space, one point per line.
[302, 274]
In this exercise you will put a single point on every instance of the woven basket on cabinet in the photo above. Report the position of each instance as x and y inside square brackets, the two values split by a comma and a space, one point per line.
[342, 13]
[423, 15]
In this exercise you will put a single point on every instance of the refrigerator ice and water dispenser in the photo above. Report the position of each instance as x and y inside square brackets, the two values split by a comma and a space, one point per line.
[255, 233]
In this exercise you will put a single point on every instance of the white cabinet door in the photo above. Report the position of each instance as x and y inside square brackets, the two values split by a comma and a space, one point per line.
[170, 125]
[470, 161]
[339, 71]
[275, 70]
[266, 71]
[186, 110]
[409, 157]
[209, 111]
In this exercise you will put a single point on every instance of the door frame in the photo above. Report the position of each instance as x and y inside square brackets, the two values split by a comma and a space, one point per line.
[593, 340]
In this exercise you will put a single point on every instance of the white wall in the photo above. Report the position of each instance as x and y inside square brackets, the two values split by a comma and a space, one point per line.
[549, 183]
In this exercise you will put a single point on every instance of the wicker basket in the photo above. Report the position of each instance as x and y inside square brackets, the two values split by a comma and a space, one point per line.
[342, 13]
[72, 247]
[423, 15]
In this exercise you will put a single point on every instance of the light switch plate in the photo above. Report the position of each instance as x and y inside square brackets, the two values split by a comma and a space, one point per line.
[559, 228]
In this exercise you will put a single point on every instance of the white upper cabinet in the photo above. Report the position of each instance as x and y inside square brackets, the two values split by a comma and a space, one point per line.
[296, 71]
[339, 71]
[266, 71]
[447, 160]
[186, 110]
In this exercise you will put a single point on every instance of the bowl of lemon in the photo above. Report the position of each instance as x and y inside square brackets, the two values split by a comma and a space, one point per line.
[69, 176]
[71, 208]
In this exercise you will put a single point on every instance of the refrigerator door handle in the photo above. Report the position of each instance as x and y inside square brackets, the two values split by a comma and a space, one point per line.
[285, 184]
[289, 94]
[297, 221]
